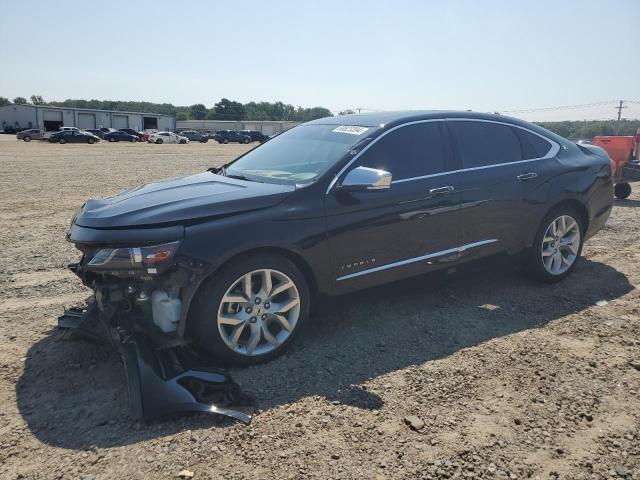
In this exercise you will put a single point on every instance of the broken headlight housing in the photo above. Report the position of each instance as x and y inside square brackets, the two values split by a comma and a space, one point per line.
[132, 260]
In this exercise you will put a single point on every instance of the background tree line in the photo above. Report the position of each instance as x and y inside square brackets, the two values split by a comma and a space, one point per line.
[590, 128]
[225, 109]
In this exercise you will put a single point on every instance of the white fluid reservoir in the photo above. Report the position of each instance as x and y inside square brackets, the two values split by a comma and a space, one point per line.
[166, 310]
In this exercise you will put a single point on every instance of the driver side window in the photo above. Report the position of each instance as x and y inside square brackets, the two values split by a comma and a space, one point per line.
[409, 151]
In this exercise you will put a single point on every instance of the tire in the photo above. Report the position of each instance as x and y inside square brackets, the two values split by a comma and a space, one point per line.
[622, 190]
[62, 141]
[158, 141]
[27, 138]
[204, 140]
[246, 141]
[183, 142]
[214, 337]
[538, 265]
[225, 141]
[90, 141]
[111, 139]
[132, 139]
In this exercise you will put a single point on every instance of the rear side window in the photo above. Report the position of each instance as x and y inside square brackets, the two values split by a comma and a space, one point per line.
[533, 146]
[411, 151]
[484, 143]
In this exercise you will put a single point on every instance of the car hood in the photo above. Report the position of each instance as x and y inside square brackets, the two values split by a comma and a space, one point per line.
[180, 200]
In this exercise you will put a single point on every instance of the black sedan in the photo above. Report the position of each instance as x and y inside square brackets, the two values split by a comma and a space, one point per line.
[231, 136]
[195, 136]
[120, 136]
[232, 259]
[255, 135]
[133, 132]
[73, 136]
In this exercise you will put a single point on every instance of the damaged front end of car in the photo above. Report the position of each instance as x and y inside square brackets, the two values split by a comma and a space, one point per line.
[141, 296]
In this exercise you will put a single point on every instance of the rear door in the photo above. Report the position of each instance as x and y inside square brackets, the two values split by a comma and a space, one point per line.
[503, 184]
[411, 228]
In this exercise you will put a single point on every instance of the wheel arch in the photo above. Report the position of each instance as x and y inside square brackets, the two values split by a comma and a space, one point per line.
[295, 258]
[576, 205]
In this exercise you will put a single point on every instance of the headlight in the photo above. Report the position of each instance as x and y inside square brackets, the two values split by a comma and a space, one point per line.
[134, 259]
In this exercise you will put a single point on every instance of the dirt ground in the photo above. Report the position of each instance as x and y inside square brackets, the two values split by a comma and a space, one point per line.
[507, 378]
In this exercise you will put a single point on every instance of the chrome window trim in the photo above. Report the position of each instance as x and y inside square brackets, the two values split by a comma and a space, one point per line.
[555, 148]
[384, 134]
[419, 259]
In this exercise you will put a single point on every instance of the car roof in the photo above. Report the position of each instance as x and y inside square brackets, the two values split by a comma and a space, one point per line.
[376, 119]
[391, 119]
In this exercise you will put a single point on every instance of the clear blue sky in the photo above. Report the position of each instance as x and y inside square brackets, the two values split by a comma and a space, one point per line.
[483, 55]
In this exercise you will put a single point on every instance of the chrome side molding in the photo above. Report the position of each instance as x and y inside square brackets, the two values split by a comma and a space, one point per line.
[408, 261]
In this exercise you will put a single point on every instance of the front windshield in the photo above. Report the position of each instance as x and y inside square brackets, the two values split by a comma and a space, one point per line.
[299, 155]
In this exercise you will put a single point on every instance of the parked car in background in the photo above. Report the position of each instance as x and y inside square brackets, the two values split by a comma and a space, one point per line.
[194, 136]
[147, 132]
[73, 136]
[241, 252]
[94, 131]
[255, 135]
[31, 134]
[167, 137]
[133, 132]
[231, 136]
[120, 136]
[69, 129]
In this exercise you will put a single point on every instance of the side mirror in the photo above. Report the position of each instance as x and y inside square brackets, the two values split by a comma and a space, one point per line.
[365, 179]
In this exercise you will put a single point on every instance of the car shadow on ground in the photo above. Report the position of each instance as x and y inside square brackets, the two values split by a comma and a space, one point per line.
[627, 202]
[73, 394]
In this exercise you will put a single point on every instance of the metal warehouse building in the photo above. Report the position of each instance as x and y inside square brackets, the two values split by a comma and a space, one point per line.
[267, 127]
[52, 118]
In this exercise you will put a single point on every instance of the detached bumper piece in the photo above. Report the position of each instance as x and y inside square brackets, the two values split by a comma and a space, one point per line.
[160, 380]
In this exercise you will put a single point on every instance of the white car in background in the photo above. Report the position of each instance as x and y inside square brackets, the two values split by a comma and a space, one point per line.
[167, 137]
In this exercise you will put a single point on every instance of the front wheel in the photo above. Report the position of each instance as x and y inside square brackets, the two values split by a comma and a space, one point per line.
[182, 142]
[27, 138]
[159, 141]
[90, 141]
[557, 246]
[252, 310]
[225, 141]
[622, 190]
[62, 141]
[132, 139]
[111, 139]
[246, 140]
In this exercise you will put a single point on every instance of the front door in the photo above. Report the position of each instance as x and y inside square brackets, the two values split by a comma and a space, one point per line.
[378, 236]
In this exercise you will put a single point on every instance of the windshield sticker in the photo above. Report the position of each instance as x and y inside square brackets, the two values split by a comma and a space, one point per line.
[350, 129]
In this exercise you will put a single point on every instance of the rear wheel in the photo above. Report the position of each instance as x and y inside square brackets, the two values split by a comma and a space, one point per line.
[111, 139]
[246, 140]
[252, 310]
[225, 141]
[62, 141]
[557, 246]
[622, 190]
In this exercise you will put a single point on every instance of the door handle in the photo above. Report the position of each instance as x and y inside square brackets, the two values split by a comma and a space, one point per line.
[527, 176]
[441, 190]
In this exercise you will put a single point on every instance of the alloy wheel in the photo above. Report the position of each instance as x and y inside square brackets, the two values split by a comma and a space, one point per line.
[560, 245]
[258, 312]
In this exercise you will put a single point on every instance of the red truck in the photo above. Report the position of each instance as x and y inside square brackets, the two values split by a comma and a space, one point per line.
[623, 151]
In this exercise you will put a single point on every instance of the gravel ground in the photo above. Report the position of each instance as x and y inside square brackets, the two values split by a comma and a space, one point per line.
[477, 374]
